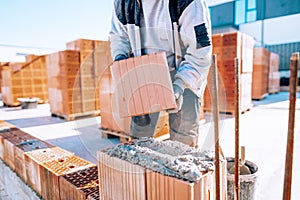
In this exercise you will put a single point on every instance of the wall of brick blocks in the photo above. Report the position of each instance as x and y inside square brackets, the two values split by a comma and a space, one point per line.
[52, 172]
[120, 179]
[25, 80]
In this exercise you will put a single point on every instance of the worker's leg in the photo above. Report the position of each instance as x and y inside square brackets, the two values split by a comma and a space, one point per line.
[143, 126]
[184, 125]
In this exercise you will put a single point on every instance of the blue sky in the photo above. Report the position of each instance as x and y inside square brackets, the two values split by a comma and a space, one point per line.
[53, 23]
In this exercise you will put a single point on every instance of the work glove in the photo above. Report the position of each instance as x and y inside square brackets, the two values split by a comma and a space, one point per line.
[120, 57]
[178, 86]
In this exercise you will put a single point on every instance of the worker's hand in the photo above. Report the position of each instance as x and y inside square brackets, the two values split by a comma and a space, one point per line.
[120, 57]
[178, 92]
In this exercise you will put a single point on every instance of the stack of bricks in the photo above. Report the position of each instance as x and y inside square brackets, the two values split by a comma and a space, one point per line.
[25, 80]
[260, 82]
[227, 47]
[274, 74]
[64, 83]
[94, 56]
[2, 66]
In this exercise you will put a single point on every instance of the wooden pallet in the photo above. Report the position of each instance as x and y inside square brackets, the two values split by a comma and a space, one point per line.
[161, 130]
[124, 137]
[287, 88]
[260, 98]
[12, 104]
[229, 112]
[72, 117]
[43, 101]
[274, 92]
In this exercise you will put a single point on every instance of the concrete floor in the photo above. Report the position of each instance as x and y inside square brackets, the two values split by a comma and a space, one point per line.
[263, 132]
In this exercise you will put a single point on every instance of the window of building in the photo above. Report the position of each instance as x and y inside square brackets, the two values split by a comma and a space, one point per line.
[245, 11]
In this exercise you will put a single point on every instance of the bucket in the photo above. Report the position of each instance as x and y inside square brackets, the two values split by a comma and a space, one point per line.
[28, 103]
[248, 183]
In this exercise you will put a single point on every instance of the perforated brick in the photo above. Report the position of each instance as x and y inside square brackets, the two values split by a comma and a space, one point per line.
[94, 196]
[33, 161]
[23, 147]
[80, 184]
[51, 171]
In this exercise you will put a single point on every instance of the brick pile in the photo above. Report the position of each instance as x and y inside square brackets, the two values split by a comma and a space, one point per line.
[227, 47]
[25, 80]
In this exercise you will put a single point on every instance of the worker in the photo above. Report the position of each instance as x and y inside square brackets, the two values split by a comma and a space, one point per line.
[180, 28]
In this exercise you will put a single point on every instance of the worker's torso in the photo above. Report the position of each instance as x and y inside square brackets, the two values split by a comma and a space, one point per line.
[156, 28]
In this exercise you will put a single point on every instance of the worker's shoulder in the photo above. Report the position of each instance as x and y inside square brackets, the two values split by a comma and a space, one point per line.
[128, 11]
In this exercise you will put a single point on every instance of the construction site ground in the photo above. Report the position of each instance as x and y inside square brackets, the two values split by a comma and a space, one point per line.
[263, 132]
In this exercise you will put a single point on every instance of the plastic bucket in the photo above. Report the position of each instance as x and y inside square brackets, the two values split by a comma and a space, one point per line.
[248, 183]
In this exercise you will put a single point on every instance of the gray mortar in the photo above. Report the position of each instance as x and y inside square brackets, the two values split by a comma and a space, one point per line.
[170, 158]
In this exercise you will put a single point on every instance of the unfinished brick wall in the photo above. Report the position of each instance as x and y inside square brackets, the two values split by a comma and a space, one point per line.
[52, 172]
[121, 179]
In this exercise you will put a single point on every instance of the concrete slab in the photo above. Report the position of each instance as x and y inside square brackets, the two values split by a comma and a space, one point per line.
[12, 187]
[263, 131]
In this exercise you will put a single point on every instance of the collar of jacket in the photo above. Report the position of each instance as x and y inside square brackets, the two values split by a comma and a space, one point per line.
[129, 11]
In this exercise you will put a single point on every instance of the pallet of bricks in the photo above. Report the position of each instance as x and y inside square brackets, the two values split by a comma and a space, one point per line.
[3, 65]
[261, 65]
[93, 55]
[64, 84]
[25, 80]
[74, 75]
[274, 74]
[131, 88]
[227, 47]
[52, 172]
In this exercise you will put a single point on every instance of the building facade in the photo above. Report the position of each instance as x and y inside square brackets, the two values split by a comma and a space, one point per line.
[274, 24]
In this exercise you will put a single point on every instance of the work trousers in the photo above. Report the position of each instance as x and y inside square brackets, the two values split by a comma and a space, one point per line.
[184, 125]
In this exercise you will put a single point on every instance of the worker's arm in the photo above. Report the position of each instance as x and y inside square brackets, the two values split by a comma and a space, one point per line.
[120, 45]
[195, 36]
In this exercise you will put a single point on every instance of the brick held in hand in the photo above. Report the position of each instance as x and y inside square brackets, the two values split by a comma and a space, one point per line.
[138, 81]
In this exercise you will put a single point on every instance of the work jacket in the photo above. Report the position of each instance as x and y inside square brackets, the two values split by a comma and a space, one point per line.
[181, 28]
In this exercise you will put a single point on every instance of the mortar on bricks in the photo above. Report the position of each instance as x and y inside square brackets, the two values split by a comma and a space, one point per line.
[248, 183]
[157, 169]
